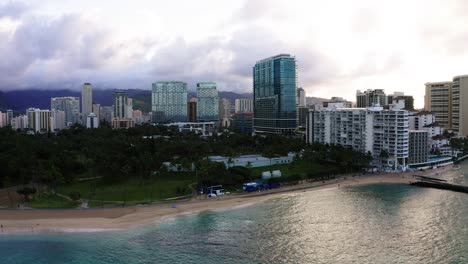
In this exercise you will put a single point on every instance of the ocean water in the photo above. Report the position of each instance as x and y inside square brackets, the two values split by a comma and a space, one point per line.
[380, 223]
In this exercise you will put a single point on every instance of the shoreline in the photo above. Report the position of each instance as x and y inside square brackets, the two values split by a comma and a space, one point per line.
[33, 221]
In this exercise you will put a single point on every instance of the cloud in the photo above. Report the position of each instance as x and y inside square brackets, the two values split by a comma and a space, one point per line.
[13, 9]
[42, 50]
[229, 62]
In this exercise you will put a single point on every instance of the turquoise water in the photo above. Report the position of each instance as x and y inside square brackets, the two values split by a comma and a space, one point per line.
[383, 223]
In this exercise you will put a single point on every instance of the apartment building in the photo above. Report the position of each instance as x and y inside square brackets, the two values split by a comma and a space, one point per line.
[371, 129]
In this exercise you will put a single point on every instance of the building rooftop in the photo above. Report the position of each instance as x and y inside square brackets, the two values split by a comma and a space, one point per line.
[433, 83]
[461, 76]
[283, 55]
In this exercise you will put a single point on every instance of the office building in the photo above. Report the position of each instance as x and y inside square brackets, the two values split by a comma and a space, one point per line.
[137, 116]
[129, 108]
[243, 105]
[9, 117]
[69, 105]
[86, 100]
[242, 123]
[438, 100]
[301, 97]
[207, 102]
[20, 122]
[92, 121]
[372, 129]
[460, 105]
[302, 113]
[39, 120]
[120, 104]
[59, 118]
[225, 112]
[275, 94]
[371, 98]
[3, 119]
[418, 146]
[107, 114]
[97, 110]
[192, 110]
[169, 102]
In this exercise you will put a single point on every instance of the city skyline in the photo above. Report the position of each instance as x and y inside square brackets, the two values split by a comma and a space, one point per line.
[121, 49]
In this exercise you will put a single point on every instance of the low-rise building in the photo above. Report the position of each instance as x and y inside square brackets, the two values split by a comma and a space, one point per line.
[118, 123]
[253, 160]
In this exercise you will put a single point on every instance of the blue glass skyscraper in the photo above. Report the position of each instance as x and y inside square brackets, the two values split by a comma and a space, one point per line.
[274, 89]
[169, 102]
[208, 102]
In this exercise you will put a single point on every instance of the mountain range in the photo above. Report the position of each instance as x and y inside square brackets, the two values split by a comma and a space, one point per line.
[20, 100]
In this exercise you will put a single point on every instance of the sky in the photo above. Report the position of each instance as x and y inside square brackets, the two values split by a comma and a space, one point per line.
[340, 46]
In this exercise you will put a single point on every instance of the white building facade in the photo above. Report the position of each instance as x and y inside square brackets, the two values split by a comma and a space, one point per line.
[243, 105]
[372, 129]
[86, 100]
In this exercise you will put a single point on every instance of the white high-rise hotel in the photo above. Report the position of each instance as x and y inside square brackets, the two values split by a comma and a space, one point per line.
[371, 129]
[86, 101]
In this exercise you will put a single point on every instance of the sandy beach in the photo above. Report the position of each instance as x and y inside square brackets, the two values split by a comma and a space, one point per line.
[122, 218]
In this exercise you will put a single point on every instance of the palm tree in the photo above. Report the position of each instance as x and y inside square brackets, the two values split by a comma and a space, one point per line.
[383, 156]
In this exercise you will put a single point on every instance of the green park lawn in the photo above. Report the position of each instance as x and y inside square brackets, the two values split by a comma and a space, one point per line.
[51, 201]
[135, 189]
[301, 168]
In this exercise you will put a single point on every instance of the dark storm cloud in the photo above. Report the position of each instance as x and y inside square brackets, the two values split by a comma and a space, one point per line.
[64, 51]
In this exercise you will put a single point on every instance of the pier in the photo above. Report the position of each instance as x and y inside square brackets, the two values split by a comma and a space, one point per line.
[429, 182]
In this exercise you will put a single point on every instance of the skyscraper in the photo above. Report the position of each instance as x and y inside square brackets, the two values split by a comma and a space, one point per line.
[9, 117]
[169, 102]
[107, 113]
[460, 105]
[86, 100]
[400, 96]
[371, 98]
[59, 119]
[3, 119]
[69, 105]
[208, 102]
[192, 110]
[129, 109]
[274, 89]
[120, 104]
[97, 110]
[438, 100]
[301, 97]
[225, 112]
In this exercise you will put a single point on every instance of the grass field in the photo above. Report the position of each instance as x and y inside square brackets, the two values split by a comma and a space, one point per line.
[51, 201]
[297, 168]
[161, 187]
